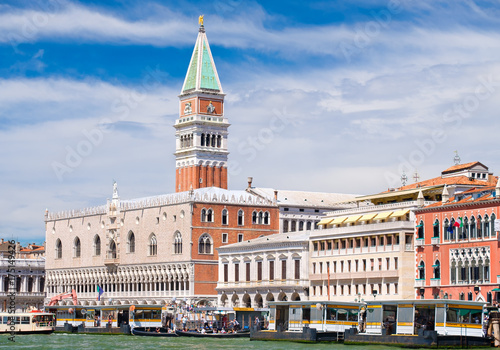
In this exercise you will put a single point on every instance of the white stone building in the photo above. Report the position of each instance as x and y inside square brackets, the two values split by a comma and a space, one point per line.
[254, 272]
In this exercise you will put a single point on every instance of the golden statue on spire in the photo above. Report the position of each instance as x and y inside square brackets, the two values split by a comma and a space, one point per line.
[200, 20]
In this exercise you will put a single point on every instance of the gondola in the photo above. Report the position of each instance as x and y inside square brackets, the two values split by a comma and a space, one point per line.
[239, 334]
[151, 332]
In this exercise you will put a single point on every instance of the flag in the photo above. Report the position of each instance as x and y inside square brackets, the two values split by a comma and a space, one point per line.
[461, 222]
[450, 229]
[99, 293]
[456, 224]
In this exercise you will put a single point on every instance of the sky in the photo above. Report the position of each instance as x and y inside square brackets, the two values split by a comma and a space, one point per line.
[327, 96]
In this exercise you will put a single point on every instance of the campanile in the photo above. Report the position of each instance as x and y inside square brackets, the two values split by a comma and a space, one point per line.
[201, 129]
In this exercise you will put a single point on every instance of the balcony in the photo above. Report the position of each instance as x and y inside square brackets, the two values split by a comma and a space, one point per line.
[419, 242]
[435, 240]
[111, 260]
[360, 230]
[435, 282]
[420, 283]
[355, 275]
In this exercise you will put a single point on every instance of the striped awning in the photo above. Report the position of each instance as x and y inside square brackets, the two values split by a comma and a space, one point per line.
[352, 219]
[383, 215]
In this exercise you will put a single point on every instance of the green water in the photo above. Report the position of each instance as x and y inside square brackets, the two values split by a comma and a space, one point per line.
[119, 342]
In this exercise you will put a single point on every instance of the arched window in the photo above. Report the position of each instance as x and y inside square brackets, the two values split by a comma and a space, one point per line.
[178, 243]
[469, 296]
[446, 230]
[309, 225]
[58, 249]
[420, 227]
[210, 215]
[219, 141]
[254, 217]
[465, 227]
[301, 225]
[486, 226]
[202, 139]
[489, 299]
[153, 247]
[205, 244]
[436, 228]
[492, 220]
[30, 284]
[461, 296]
[437, 269]
[112, 250]
[131, 242]
[472, 227]
[285, 226]
[294, 226]
[260, 218]
[213, 140]
[97, 245]
[421, 271]
[266, 218]
[479, 228]
[77, 248]
[452, 229]
[241, 218]
[203, 215]
[224, 217]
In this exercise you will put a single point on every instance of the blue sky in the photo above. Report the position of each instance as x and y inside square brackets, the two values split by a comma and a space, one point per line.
[362, 90]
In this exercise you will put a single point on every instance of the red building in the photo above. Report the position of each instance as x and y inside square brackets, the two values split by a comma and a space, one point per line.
[457, 246]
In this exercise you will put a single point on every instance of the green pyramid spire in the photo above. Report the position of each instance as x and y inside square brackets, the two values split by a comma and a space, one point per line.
[202, 74]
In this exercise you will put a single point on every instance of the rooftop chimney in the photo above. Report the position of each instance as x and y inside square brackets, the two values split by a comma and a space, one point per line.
[445, 197]
[275, 195]
[250, 179]
[420, 199]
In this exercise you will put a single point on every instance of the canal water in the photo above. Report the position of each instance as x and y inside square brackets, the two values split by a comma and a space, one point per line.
[123, 342]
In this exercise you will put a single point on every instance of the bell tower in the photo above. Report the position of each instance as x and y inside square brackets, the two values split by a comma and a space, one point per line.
[201, 129]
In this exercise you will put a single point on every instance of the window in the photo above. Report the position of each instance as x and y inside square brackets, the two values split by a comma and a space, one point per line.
[224, 217]
[254, 217]
[314, 267]
[112, 250]
[131, 242]
[240, 237]
[297, 269]
[260, 220]
[294, 226]
[437, 269]
[421, 271]
[395, 263]
[210, 215]
[153, 248]
[259, 270]
[266, 218]
[77, 248]
[205, 244]
[97, 245]
[283, 269]
[241, 218]
[58, 249]
[395, 288]
[248, 271]
[301, 225]
[178, 243]
[420, 227]
[271, 270]
[226, 272]
[236, 272]
[387, 263]
[493, 229]
[285, 226]
[309, 226]
[436, 228]
[203, 215]
[224, 238]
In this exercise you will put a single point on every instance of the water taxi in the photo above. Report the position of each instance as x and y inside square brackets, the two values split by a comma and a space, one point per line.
[421, 323]
[27, 322]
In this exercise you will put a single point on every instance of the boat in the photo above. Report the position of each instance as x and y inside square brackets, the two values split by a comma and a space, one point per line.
[152, 332]
[239, 334]
[35, 322]
[421, 323]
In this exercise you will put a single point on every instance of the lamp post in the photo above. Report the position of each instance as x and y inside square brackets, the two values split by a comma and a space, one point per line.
[374, 294]
[422, 293]
[476, 289]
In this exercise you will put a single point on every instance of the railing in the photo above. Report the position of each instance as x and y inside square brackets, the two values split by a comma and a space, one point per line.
[420, 283]
[408, 246]
[373, 229]
[419, 242]
[435, 240]
[355, 275]
[24, 294]
[377, 208]
[435, 282]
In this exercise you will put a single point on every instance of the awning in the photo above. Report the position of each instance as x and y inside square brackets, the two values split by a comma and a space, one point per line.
[338, 221]
[420, 225]
[325, 221]
[495, 290]
[352, 219]
[367, 217]
[383, 215]
[399, 213]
